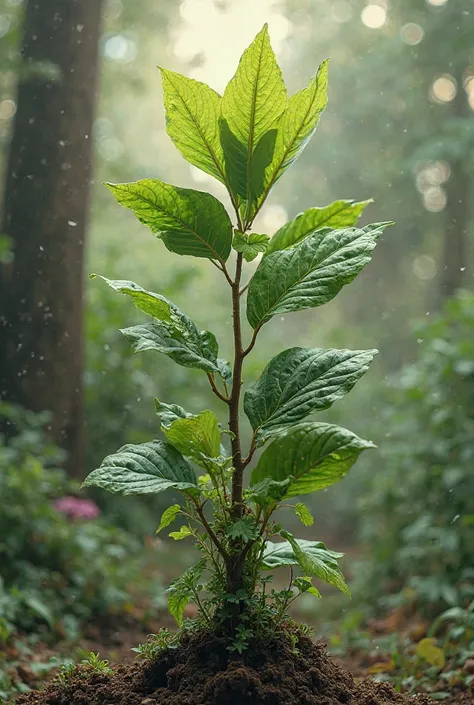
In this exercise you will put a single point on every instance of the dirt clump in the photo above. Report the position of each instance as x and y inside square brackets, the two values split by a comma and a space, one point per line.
[202, 672]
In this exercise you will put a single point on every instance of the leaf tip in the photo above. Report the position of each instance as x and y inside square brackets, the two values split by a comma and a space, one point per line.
[92, 275]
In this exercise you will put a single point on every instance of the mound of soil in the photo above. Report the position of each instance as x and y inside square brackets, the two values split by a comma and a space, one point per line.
[202, 672]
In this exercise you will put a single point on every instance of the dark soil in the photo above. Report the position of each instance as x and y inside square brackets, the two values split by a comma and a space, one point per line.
[202, 672]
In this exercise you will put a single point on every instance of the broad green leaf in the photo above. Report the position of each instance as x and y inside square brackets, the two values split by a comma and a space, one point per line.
[181, 591]
[282, 553]
[296, 127]
[167, 413]
[244, 529]
[192, 121]
[142, 469]
[183, 533]
[299, 381]
[152, 304]
[313, 455]
[319, 564]
[250, 245]
[339, 214]
[268, 492]
[310, 274]
[195, 436]
[252, 103]
[188, 222]
[303, 514]
[172, 332]
[168, 516]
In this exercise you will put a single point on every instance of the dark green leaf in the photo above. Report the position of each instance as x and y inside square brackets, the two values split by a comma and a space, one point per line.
[310, 274]
[244, 529]
[268, 492]
[299, 381]
[282, 553]
[195, 436]
[339, 214]
[253, 101]
[168, 516]
[144, 468]
[192, 121]
[312, 455]
[319, 563]
[188, 222]
[167, 413]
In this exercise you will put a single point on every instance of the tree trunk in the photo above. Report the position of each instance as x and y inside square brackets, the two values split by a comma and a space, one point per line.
[46, 203]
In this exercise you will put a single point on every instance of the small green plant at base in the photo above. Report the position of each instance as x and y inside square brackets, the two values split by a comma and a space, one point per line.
[246, 139]
[95, 664]
[66, 672]
[155, 644]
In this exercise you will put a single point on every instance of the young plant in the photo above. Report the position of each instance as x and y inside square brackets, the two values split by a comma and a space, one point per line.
[246, 139]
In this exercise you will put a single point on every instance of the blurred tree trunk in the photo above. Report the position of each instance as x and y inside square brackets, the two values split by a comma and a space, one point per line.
[46, 201]
[459, 196]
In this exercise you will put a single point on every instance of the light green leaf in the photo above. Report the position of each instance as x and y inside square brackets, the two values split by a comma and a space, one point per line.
[168, 516]
[244, 529]
[183, 533]
[339, 214]
[318, 563]
[142, 469]
[306, 585]
[300, 381]
[167, 413]
[192, 121]
[268, 492]
[189, 222]
[250, 245]
[172, 332]
[282, 553]
[296, 128]
[313, 455]
[253, 101]
[303, 514]
[181, 591]
[310, 274]
[195, 436]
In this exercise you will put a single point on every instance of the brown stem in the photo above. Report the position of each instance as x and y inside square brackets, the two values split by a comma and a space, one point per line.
[237, 479]
[215, 389]
[210, 531]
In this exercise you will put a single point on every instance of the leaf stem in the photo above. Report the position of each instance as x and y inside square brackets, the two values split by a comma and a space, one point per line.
[237, 479]
[212, 382]
[210, 531]
[253, 341]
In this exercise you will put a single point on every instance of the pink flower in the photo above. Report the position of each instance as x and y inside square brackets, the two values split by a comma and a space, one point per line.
[76, 508]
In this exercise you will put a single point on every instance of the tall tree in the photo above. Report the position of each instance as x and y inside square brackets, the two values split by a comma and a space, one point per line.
[45, 214]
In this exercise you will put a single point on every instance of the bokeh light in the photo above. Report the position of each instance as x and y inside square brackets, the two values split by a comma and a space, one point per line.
[7, 109]
[443, 89]
[374, 16]
[424, 267]
[437, 3]
[434, 199]
[412, 33]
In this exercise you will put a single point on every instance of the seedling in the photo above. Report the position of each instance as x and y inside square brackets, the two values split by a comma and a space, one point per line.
[246, 139]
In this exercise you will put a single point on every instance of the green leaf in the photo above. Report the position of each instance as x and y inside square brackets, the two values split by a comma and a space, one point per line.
[253, 101]
[142, 469]
[183, 533]
[244, 529]
[339, 214]
[313, 455]
[167, 413]
[181, 590]
[300, 381]
[250, 245]
[188, 222]
[296, 127]
[192, 121]
[195, 436]
[306, 585]
[282, 554]
[318, 563]
[171, 333]
[168, 516]
[268, 492]
[303, 514]
[310, 274]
